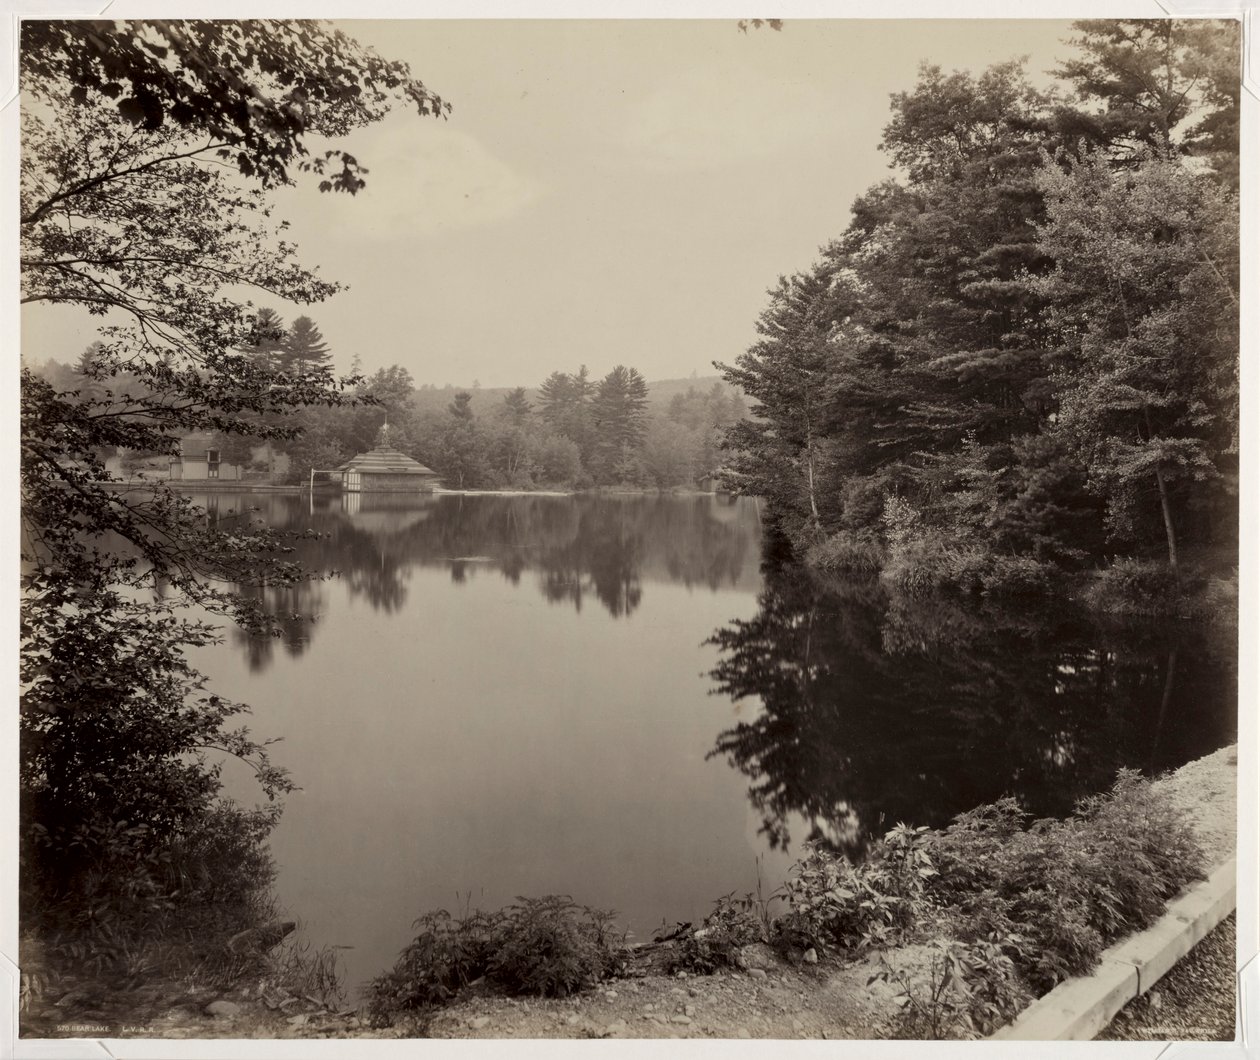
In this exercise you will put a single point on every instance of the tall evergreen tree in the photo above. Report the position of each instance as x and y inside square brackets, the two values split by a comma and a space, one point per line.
[564, 401]
[1145, 295]
[266, 340]
[304, 350]
[1161, 82]
[517, 406]
[461, 407]
[781, 451]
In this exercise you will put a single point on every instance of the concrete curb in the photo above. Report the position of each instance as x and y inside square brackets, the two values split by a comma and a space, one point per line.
[1077, 1009]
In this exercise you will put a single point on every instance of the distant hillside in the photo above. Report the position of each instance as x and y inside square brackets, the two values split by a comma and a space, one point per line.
[487, 397]
[429, 399]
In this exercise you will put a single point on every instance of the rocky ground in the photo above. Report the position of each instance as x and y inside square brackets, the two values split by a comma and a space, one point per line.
[767, 998]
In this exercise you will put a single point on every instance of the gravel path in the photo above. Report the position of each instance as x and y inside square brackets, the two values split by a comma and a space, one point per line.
[1194, 1001]
[1205, 790]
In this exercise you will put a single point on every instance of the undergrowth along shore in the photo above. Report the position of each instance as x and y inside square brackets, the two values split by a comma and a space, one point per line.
[1007, 909]
[935, 567]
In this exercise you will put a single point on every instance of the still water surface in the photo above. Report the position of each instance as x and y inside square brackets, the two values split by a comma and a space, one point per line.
[615, 698]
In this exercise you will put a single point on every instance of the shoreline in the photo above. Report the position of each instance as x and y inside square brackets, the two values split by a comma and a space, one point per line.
[767, 997]
[221, 486]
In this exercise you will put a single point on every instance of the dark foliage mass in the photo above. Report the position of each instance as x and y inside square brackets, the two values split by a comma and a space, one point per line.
[255, 90]
[874, 707]
[130, 857]
[1020, 358]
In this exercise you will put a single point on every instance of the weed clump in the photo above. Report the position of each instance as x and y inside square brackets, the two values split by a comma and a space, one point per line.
[833, 903]
[552, 947]
[1010, 908]
[1069, 887]
[548, 947]
[733, 924]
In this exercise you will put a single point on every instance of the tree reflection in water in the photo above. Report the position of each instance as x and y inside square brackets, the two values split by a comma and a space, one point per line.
[872, 712]
[578, 547]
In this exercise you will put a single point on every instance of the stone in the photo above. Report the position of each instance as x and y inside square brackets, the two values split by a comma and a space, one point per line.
[757, 973]
[479, 1022]
[742, 1033]
[572, 1020]
[300, 1020]
[682, 975]
[811, 956]
[690, 1010]
[223, 1010]
[611, 995]
[616, 1027]
[756, 955]
[677, 991]
[692, 992]
[679, 1019]
[1157, 1000]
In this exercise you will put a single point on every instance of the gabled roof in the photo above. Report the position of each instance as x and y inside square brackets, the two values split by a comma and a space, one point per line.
[195, 445]
[385, 461]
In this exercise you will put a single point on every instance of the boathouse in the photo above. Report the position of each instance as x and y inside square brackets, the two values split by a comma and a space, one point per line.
[385, 468]
[200, 459]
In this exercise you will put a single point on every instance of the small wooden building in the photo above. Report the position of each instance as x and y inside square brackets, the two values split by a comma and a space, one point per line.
[201, 460]
[384, 468]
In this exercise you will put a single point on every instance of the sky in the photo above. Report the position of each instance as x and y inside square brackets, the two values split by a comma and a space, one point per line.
[603, 192]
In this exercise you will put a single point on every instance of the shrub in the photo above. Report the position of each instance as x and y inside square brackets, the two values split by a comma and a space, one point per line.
[444, 957]
[552, 947]
[547, 946]
[1067, 888]
[1015, 576]
[846, 552]
[926, 565]
[146, 905]
[968, 989]
[1137, 587]
[732, 925]
[832, 902]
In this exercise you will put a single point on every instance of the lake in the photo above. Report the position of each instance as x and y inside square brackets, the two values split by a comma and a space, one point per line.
[620, 699]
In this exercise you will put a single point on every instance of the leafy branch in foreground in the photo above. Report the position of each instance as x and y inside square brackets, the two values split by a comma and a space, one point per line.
[148, 151]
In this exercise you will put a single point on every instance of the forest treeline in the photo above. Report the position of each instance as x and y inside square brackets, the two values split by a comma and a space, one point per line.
[570, 432]
[1021, 356]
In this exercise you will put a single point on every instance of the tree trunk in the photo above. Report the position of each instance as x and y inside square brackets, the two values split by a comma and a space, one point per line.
[1166, 507]
[813, 503]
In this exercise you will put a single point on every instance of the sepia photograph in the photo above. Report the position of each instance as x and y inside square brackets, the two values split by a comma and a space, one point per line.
[629, 528]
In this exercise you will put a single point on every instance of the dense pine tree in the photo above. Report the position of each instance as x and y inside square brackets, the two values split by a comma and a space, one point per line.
[1023, 349]
[304, 350]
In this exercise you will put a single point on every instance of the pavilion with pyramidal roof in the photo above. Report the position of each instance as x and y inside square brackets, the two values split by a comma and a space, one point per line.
[383, 468]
